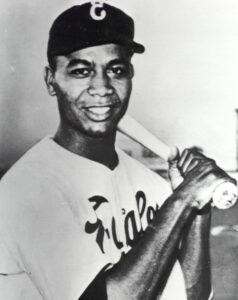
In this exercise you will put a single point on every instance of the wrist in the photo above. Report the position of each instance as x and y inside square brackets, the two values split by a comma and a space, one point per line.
[186, 198]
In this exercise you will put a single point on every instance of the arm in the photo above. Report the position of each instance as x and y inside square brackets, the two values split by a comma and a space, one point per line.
[195, 257]
[142, 273]
[194, 253]
[139, 275]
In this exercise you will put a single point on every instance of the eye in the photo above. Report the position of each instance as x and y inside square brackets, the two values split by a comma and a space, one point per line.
[80, 72]
[118, 71]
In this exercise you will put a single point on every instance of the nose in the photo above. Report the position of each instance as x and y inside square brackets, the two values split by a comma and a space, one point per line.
[100, 85]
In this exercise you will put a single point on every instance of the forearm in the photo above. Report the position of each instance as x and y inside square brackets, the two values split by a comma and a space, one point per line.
[195, 257]
[142, 273]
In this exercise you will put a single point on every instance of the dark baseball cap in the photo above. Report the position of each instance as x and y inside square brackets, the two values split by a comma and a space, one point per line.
[76, 28]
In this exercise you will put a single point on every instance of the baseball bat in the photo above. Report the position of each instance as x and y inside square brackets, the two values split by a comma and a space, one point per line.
[226, 193]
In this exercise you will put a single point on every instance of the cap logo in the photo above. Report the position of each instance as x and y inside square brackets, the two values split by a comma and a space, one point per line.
[97, 4]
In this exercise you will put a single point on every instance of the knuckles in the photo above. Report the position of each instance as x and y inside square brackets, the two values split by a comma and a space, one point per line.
[196, 165]
[201, 174]
[210, 163]
[192, 160]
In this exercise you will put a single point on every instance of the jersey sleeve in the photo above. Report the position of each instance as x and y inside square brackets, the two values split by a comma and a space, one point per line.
[18, 286]
[8, 265]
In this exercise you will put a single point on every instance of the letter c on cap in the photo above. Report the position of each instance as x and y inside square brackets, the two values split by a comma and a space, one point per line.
[94, 15]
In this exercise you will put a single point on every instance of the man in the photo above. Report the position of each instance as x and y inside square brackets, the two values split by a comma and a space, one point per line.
[80, 219]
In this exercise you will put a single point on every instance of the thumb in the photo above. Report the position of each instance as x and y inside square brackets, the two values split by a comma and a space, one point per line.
[174, 155]
[174, 173]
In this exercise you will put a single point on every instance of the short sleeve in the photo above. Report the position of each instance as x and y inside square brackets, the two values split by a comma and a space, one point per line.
[8, 265]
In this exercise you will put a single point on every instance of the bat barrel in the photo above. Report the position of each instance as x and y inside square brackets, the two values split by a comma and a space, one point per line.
[141, 135]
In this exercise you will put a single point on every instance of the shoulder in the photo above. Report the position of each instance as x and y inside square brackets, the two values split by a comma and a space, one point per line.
[37, 155]
[38, 166]
[31, 198]
[28, 169]
[30, 182]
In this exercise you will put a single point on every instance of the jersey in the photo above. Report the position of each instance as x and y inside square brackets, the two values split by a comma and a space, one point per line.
[65, 218]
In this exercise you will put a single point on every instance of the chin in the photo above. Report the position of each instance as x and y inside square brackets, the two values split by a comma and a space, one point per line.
[101, 131]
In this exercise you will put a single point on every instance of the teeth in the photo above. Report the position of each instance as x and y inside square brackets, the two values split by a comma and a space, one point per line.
[99, 110]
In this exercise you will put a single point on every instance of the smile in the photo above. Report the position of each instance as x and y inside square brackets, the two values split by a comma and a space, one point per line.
[99, 110]
[99, 113]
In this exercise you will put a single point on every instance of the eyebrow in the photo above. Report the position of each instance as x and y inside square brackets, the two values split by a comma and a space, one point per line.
[77, 61]
[118, 61]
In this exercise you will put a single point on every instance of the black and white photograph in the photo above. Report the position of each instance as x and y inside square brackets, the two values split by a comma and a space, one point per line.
[118, 150]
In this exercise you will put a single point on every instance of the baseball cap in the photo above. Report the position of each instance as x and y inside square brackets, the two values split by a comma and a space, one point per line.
[77, 28]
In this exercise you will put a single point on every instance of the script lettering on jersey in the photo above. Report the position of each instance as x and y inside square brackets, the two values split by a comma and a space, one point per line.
[107, 228]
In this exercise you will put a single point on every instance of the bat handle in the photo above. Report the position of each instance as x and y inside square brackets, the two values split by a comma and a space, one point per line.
[224, 196]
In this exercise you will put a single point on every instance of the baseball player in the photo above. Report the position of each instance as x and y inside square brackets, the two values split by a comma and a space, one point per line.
[79, 219]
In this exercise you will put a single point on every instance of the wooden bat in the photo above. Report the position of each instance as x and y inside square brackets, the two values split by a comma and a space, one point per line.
[224, 196]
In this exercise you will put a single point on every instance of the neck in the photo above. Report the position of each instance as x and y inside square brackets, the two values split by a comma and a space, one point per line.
[99, 149]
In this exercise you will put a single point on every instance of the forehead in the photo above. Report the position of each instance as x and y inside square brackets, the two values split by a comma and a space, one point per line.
[98, 55]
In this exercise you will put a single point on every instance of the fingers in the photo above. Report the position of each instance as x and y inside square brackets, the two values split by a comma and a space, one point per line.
[174, 174]
[192, 164]
[197, 165]
[179, 167]
[174, 155]
[192, 160]
[202, 177]
[204, 167]
[189, 160]
[173, 161]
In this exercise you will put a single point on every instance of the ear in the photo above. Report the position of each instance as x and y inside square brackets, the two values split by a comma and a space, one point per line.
[132, 72]
[49, 80]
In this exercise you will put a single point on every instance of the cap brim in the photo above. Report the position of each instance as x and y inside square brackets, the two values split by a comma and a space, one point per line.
[138, 48]
[66, 44]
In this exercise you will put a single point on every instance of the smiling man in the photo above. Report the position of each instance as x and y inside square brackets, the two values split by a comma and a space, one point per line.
[79, 219]
[93, 87]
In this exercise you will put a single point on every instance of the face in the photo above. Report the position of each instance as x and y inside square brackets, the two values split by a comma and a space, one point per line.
[93, 86]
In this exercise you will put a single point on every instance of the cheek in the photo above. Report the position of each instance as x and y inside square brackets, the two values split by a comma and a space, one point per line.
[69, 89]
[123, 88]
[70, 92]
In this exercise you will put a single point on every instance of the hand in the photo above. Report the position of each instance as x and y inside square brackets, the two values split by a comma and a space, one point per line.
[175, 176]
[201, 176]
